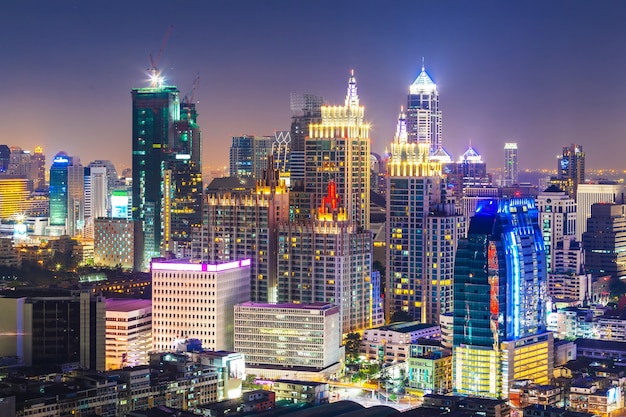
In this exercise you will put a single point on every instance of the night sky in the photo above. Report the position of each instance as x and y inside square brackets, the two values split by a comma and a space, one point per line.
[540, 73]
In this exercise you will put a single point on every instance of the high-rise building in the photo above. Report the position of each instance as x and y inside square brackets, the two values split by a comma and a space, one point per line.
[604, 241]
[14, 196]
[5, 158]
[414, 186]
[128, 331]
[500, 301]
[248, 155]
[19, 163]
[423, 115]
[196, 301]
[96, 197]
[155, 111]
[114, 243]
[92, 330]
[589, 194]
[67, 196]
[306, 110]
[38, 168]
[338, 150]
[444, 227]
[557, 219]
[328, 260]
[510, 165]
[570, 169]
[244, 225]
[468, 171]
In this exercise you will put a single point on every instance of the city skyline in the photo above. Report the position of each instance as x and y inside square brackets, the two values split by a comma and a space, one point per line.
[505, 72]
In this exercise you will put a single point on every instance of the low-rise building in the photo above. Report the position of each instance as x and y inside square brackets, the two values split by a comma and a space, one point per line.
[430, 373]
[391, 343]
[128, 332]
[314, 393]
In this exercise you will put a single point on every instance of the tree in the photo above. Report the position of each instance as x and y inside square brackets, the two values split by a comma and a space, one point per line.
[352, 342]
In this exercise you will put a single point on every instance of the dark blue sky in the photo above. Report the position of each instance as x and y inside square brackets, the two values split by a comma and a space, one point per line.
[541, 73]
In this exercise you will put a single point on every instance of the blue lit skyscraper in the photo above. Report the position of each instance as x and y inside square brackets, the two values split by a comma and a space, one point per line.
[499, 301]
[66, 196]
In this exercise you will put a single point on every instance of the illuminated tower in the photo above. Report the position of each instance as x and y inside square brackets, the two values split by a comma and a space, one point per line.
[499, 301]
[155, 111]
[570, 169]
[423, 116]
[66, 196]
[414, 188]
[510, 164]
[38, 168]
[604, 241]
[328, 260]
[338, 150]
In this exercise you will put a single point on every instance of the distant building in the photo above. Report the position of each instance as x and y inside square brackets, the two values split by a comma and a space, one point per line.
[208, 294]
[114, 243]
[589, 194]
[248, 155]
[570, 169]
[67, 199]
[604, 241]
[510, 165]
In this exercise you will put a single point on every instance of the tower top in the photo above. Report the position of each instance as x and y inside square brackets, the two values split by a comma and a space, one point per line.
[401, 133]
[352, 97]
[423, 83]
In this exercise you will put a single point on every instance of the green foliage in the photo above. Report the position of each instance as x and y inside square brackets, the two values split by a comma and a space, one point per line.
[352, 342]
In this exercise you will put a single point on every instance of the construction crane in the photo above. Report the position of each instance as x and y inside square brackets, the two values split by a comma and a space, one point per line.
[189, 98]
[155, 75]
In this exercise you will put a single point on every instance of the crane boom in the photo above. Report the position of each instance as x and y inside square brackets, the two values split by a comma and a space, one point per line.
[155, 74]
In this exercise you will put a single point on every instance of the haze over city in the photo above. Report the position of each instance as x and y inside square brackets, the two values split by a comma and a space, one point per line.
[543, 74]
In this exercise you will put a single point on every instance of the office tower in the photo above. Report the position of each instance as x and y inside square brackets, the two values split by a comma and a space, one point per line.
[128, 331]
[414, 187]
[468, 171]
[96, 197]
[66, 196]
[472, 196]
[112, 179]
[92, 330]
[114, 243]
[248, 155]
[423, 116]
[14, 194]
[243, 225]
[557, 219]
[570, 169]
[338, 150]
[38, 168]
[306, 110]
[500, 301]
[5, 158]
[310, 341]
[604, 241]
[51, 327]
[510, 164]
[328, 260]
[204, 310]
[589, 194]
[19, 162]
[444, 227]
[155, 111]
[567, 282]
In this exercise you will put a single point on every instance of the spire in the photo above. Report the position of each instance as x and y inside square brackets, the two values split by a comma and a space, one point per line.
[401, 133]
[352, 98]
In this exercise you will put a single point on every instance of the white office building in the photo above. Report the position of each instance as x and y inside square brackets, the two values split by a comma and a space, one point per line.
[196, 301]
[128, 332]
[589, 194]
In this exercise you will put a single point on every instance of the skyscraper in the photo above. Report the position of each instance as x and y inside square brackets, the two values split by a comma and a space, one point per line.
[589, 194]
[570, 169]
[248, 155]
[499, 301]
[5, 158]
[328, 259]
[510, 164]
[338, 149]
[38, 168]
[414, 186]
[66, 196]
[96, 197]
[604, 241]
[423, 116]
[155, 110]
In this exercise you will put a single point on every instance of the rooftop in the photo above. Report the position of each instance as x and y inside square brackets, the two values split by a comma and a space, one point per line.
[312, 306]
[189, 266]
[126, 304]
[406, 327]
